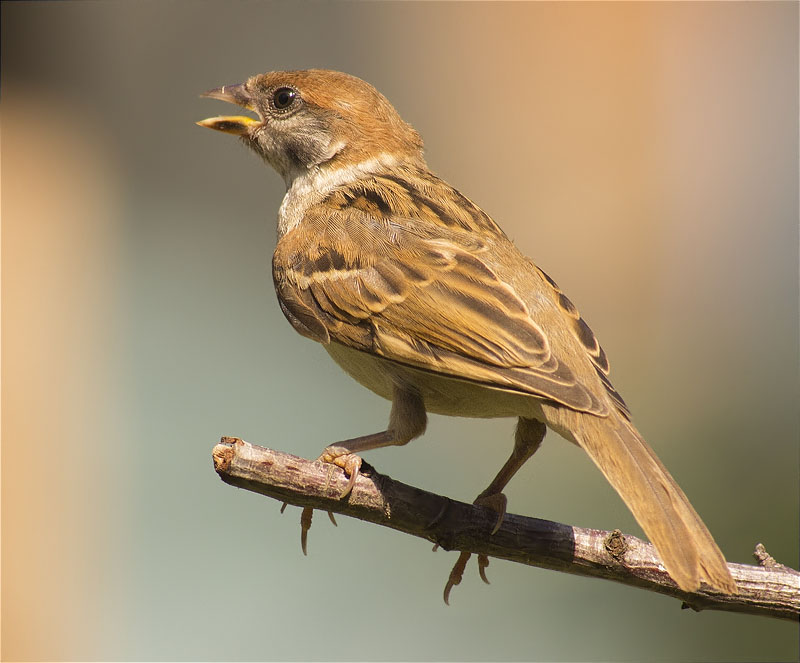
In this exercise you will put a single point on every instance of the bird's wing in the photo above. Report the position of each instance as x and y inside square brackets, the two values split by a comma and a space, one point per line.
[428, 297]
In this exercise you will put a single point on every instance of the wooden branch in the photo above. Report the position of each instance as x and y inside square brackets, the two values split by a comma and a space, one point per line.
[768, 589]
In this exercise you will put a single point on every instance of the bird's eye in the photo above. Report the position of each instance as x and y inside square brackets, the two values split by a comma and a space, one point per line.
[283, 97]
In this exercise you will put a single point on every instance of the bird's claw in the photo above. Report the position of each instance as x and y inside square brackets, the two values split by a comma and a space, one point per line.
[456, 575]
[305, 524]
[483, 562]
[497, 502]
[349, 462]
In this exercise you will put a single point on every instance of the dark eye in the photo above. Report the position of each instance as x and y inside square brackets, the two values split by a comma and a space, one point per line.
[283, 97]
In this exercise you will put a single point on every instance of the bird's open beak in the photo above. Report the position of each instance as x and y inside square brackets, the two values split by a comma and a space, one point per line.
[239, 125]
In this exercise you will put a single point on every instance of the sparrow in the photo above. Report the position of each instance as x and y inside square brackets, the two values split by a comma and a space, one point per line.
[422, 298]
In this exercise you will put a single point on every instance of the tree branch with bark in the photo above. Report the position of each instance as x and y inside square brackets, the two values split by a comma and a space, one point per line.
[768, 588]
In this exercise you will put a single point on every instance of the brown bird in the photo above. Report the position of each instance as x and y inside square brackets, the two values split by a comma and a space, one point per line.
[419, 295]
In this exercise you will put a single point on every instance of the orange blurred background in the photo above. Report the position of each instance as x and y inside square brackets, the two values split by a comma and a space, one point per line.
[644, 154]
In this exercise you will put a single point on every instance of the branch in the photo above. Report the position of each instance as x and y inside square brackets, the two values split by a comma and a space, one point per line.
[769, 589]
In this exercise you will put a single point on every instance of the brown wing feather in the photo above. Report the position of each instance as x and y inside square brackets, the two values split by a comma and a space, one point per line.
[428, 301]
[590, 343]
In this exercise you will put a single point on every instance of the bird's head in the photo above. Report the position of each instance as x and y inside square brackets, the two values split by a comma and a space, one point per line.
[315, 119]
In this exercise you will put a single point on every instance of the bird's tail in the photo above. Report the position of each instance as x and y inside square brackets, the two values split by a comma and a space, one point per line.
[684, 543]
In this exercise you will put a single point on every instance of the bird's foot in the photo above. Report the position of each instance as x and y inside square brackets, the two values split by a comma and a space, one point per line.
[348, 461]
[497, 502]
[351, 464]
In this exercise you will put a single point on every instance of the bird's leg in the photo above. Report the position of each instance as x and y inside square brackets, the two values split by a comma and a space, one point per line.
[527, 439]
[407, 420]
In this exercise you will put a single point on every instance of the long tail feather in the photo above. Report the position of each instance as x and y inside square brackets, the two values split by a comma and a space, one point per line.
[684, 543]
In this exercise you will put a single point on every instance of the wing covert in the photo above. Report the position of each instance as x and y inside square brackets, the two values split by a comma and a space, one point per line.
[420, 296]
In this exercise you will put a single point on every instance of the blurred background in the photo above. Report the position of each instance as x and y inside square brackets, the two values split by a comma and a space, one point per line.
[644, 154]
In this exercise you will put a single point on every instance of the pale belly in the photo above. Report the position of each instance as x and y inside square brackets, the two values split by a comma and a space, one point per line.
[442, 395]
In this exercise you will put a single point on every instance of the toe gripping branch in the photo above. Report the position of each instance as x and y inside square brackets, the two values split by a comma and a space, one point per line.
[351, 464]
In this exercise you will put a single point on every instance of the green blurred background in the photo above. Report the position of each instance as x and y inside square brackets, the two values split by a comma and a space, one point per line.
[645, 155]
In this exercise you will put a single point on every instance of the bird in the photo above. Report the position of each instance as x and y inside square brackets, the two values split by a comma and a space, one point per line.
[423, 299]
